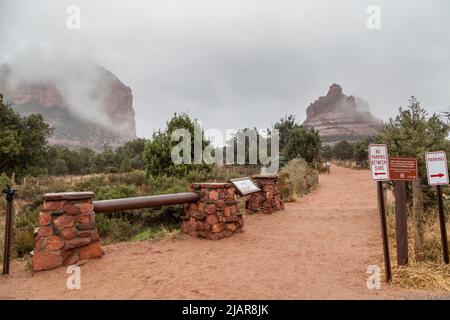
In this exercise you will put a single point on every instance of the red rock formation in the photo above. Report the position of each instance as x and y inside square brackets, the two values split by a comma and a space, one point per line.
[72, 128]
[337, 117]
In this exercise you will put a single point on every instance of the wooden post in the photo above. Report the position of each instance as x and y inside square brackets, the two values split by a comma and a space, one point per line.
[442, 224]
[401, 222]
[384, 232]
[418, 220]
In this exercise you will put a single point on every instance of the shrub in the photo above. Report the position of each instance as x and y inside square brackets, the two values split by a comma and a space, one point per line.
[111, 169]
[136, 177]
[115, 192]
[24, 242]
[225, 173]
[32, 188]
[125, 165]
[26, 222]
[4, 180]
[297, 179]
[27, 219]
[116, 229]
[168, 184]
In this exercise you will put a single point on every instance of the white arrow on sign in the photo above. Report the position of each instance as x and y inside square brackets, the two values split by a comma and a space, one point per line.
[379, 162]
[437, 171]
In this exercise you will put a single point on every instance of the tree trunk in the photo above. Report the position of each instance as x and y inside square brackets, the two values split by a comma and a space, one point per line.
[418, 220]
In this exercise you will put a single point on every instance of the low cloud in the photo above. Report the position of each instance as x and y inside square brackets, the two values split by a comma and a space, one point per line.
[235, 63]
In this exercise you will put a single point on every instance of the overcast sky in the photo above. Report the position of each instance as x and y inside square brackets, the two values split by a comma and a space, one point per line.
[240, 63]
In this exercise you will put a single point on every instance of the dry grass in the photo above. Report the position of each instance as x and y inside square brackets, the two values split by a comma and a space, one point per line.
[167, 233]
[425, 270]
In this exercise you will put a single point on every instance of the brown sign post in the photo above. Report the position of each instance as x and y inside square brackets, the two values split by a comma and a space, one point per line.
[402, 170]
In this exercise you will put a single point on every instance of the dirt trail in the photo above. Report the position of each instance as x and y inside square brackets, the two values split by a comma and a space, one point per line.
[318, 248]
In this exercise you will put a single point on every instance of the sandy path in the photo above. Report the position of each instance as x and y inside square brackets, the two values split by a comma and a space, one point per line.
[318, 248]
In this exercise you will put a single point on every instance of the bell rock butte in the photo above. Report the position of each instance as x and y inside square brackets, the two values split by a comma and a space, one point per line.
[340, 117]
[92, 108]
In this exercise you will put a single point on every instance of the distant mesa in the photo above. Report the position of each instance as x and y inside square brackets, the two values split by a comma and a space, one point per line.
[97, 113]
[339, 117]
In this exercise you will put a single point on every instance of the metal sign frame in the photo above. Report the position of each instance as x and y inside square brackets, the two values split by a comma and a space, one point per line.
[241, 193]
[428, 169]
[372, 173]
[393, 168]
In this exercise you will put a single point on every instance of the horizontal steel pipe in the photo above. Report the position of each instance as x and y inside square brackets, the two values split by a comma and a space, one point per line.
[145, 202]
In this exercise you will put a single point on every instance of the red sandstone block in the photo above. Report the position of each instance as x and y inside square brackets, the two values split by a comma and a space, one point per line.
[198, 226]
[187, 227]
[45, 231]
[230, 219]
[86, 207]
[72, 259]
[68, 234]
[218, 227]
[66, 254]
[86, 226]
[227, 212]
[95, 236]
[77, 243]
[46, 260]
[44, 218]
[206, 227]
[201, 207]
[53, 243]
[210, 209]
[85, 217]
[214, 195]
[39, 244]
[230, 197]
[218, 236]
[53, 205]
[65, 221]
[220, 204]
[71, 209]
[231, 227]
[85, 234]
[91, 251]
[212, 219]
[198, 215]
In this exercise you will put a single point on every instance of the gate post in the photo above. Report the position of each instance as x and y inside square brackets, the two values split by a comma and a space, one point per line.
[67, 231]
[268, 200]
[216, 215]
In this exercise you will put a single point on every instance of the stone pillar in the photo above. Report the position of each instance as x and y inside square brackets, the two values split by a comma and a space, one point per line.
[67, 231]
[216, 215]
[268, 200]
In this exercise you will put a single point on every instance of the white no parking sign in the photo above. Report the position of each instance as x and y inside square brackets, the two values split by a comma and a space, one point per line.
[379, 162]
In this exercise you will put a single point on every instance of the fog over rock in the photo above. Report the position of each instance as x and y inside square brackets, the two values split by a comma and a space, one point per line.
[237, 64]
[88, 107]
[337, 117]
